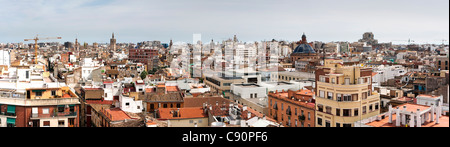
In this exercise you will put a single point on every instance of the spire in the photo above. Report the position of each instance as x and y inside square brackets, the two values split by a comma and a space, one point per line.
[113, 35]
[304, 38]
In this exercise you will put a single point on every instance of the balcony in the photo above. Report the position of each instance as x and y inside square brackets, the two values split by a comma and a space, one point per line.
[54, 115]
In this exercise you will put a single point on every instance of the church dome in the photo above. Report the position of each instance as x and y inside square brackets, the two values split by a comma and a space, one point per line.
[304, 49]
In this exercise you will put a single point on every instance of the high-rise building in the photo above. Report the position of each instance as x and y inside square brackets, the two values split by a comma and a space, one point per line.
[344, 94]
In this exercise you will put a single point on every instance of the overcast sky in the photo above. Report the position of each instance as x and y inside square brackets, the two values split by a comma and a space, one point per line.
[251, 20]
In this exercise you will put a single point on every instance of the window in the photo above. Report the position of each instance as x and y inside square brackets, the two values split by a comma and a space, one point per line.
[338, 112]
[347, 81]
[338, 125]
[309, 116]
[46, 123]
[60, 109]
[376, 106]
[38, 93]
[327, 123]
[339, 97]
[364, 109]
[53, 92]
[370, 108]
[127, 104]
[61, 123]
[322, 94]
[347, 125]
[178, 106]
[165, 106]
[320, 108]
[347, 98]
[347, 112]
[355, 97]
[295, 111]
[355, 111]
[330, 96]
[364, 95]
[328, 109]
[319, 121]
[45, 111]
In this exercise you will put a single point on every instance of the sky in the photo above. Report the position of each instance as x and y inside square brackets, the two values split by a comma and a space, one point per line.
[424, 21]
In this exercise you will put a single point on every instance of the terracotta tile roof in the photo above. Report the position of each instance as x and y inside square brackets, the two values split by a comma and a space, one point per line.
[306, 92]
[181, 113]
[443, 122]
[171, 88]
[116, 114]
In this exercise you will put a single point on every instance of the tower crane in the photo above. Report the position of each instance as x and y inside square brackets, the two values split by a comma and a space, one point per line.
[36, 45]
[409, 41]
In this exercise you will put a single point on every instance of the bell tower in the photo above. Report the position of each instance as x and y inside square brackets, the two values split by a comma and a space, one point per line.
[112, 43]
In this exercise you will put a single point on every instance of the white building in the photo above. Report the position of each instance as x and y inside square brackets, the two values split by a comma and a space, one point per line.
[128, 104]
[385, 73]
[5, 58]
[111, 89]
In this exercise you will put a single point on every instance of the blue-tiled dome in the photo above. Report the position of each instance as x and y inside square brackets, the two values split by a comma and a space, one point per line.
[304, 49]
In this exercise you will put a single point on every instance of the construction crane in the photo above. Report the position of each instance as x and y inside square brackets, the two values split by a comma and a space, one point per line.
[409, 41]
[36, 45]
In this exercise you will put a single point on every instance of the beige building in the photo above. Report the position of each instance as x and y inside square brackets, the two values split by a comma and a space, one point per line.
[222, 84]
[344, 95]
[183, 117]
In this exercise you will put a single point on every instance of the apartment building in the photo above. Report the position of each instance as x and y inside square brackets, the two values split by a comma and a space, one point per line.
[292, 108]
[344, 94]
[47, 106]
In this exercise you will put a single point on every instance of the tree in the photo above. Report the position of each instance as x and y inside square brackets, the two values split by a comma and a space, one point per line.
[144, 74]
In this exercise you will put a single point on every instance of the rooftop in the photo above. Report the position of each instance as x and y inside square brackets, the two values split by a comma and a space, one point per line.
[181, 113]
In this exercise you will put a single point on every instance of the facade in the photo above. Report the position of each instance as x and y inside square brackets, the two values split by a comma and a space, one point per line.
[291, 76]
[144, 56]
[292, 108]
[442, 63]
[183, 117]
[40, 107]
[344, 95]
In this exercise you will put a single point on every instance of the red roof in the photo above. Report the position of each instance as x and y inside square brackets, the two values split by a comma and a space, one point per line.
[116, 114]
[184, 113]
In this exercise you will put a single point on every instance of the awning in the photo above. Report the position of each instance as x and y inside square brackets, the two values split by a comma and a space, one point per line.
[10, 120]
[11, 109]
[39, 90]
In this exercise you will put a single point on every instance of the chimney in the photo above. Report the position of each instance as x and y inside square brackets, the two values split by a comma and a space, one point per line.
[419, 119]
[249, 115]
[390, 114]
[244, 108]
[411, 121]
[432, 112]
[397, 120]
[404, 116]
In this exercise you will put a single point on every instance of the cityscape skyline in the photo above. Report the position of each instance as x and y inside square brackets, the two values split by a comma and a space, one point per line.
[135, 21]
